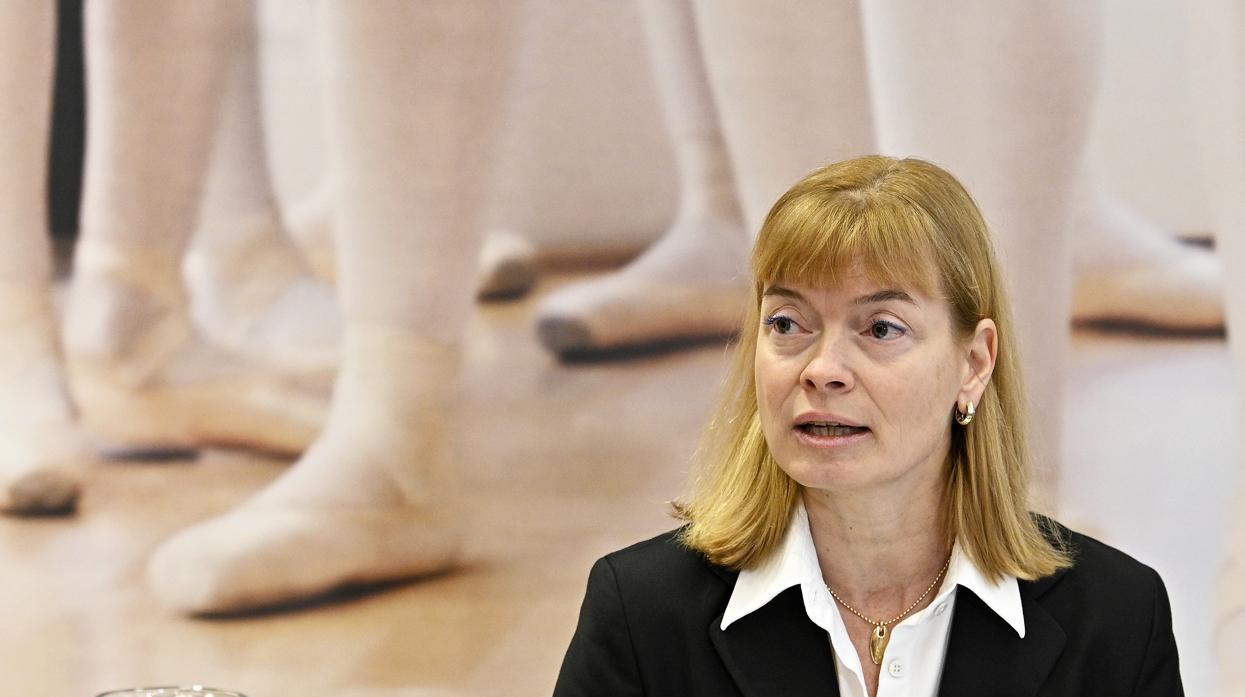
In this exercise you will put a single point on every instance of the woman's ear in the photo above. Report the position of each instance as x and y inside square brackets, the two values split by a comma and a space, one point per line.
[982, 350]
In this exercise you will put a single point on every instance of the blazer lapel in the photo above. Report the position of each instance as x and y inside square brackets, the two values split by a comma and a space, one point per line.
[777, 651]
[985, 656]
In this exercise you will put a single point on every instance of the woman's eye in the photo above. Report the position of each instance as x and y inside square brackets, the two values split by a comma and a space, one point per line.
[781, 324]
[881, 329]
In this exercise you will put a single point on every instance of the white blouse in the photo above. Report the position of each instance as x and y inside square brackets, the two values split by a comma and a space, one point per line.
[914, 656]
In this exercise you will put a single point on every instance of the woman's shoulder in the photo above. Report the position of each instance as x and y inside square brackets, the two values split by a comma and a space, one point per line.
[1101, 577]
[1114, 617]
[664, 559]
[1093, 558]
[661, 575]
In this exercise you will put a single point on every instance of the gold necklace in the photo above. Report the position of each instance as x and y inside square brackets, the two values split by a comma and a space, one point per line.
[880, 637]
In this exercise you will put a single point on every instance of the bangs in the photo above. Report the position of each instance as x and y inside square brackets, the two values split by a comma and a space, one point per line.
[817, 238]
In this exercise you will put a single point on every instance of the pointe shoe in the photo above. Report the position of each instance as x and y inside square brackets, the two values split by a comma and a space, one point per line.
[1183, 294]
[41, 469]
[144, 379]
[310, 224]
[42, 451]
[257, 558]
[257, 298]
[614, 312]
[365, 504]
[507, 268]
[685, 287]
[1131, 273]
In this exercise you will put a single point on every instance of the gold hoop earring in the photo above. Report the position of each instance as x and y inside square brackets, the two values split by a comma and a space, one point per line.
[963, 418]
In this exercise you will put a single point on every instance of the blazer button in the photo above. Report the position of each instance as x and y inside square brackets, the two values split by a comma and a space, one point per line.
[896, 668]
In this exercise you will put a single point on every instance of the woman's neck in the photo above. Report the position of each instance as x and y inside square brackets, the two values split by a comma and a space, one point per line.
[879, 550]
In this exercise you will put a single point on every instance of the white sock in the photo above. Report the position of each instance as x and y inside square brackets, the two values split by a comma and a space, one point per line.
[691, 283]
[41, 451]
[366, 502]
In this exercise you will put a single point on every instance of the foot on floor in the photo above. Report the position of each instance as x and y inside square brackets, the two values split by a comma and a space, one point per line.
[507, 268]
[144, 378]
[366, 503]
[689, 285]
[43, 454]
[252, 293]
[1131, 273]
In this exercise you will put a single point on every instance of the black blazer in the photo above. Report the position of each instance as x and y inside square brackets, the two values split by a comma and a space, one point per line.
[650, 625]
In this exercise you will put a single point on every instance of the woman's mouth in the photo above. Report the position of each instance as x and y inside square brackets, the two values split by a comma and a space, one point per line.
[829, 434]
[819, 428]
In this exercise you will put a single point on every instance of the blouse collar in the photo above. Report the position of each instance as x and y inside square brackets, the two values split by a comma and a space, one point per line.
[794, 563]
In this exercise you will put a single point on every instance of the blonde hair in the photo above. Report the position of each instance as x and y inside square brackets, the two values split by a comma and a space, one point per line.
[907, 222]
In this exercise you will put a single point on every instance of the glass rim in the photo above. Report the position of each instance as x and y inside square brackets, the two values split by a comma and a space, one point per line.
[193, 689]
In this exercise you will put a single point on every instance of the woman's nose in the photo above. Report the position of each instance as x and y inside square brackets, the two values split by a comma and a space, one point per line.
[828, 367]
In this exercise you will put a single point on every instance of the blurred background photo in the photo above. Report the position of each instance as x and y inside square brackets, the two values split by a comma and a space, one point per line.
[341, 338]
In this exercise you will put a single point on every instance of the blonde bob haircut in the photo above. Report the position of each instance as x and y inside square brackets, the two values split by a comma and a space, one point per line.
[910, 224]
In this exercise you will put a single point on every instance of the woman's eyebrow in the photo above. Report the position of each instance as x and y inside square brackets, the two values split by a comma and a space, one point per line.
[785, 292]
[883, 296]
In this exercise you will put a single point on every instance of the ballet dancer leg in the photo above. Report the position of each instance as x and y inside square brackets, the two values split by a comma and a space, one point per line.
[250, 288]
[999, 93]
[304, 183]
[1217, 38]
[412, 91]
[41, 450]
[691, 282]
[140, 373]
[789, 83]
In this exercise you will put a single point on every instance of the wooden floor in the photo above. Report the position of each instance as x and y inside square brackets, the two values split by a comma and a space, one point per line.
[562, 463]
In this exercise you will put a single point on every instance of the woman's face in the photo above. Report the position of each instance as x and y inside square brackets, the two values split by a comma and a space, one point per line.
[856, 384]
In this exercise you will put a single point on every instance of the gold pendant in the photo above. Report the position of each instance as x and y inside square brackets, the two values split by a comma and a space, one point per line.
[877, 643]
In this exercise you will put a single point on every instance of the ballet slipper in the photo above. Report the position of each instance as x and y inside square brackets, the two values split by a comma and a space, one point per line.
[310, 224]
[507, 268]
[41, 468]
[253, 294]
[1131, 273]
[257, 558]
[1182, 294]
[365, 504]
[687, 286]
[143, 378]
[42, 451]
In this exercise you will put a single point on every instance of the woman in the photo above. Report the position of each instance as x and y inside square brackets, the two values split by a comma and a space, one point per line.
[860, 521]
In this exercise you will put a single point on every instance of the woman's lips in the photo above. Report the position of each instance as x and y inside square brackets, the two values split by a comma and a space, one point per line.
[825, 436]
